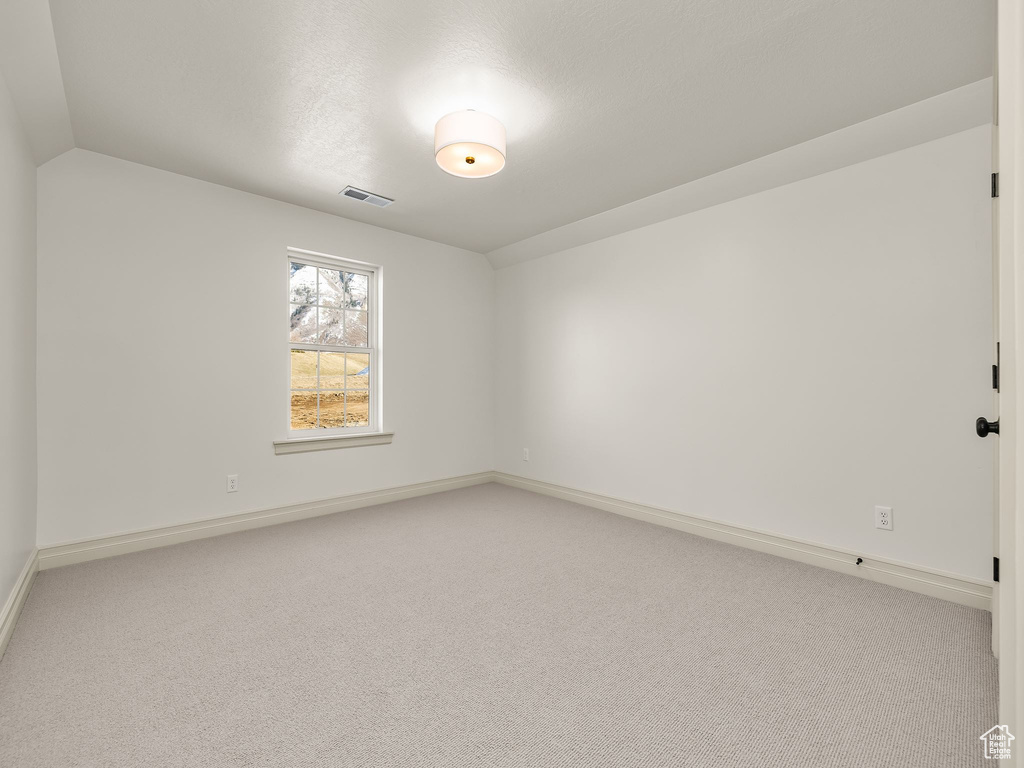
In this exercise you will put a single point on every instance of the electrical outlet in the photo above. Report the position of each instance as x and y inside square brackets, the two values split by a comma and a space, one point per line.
[526, 454]
[232, 483]
[883, 518]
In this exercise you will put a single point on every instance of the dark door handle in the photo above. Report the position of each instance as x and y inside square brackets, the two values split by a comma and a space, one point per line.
[985, 427]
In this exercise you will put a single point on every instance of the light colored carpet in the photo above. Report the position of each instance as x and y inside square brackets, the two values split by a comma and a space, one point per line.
[486, 627]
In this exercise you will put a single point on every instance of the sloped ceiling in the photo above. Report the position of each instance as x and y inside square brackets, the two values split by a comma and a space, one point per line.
[604, 102]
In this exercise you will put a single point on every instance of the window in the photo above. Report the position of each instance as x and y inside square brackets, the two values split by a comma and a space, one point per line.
[332, 345]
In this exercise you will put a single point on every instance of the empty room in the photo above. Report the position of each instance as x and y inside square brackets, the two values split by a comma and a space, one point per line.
[511, 384]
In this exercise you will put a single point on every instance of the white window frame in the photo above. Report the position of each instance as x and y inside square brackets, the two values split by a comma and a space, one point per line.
[373, 349]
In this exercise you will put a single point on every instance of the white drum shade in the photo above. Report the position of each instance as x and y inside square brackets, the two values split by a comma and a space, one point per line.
[470, 144]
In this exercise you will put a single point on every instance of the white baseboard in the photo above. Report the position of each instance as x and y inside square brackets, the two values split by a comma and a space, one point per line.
[57, 555]
[16, 600]
[958, 589]
[926, 581]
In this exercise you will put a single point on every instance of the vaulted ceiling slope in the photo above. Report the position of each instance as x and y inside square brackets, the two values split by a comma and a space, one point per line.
[605, 102]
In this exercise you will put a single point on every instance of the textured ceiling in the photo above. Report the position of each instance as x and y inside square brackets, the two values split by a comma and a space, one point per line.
[604, 102]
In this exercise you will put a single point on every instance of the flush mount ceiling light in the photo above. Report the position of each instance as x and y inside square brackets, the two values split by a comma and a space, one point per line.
[470, 144]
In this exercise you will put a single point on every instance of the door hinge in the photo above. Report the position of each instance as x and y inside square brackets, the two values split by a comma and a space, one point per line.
[995, 569]
[995, 369]
[995, 185]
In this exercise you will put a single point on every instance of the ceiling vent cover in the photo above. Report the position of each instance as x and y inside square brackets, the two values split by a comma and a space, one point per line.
[367, 197]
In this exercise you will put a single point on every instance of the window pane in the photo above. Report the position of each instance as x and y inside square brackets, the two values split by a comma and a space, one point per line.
[330, 326]
[332, 370]
[303, 284]
[303, 324]
[357, 291]
[355, 329]
[304, 410]
[358, 372]
[303, 369]
[332, 288]
[358, 414]
[332, 409]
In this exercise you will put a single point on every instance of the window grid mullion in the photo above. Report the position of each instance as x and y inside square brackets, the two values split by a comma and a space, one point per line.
[307, 347]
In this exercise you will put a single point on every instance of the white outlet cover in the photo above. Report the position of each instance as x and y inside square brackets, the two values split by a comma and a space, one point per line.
[232, 483]
[883, 518]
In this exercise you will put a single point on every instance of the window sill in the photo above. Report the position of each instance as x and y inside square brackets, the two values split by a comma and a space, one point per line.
[330, 442]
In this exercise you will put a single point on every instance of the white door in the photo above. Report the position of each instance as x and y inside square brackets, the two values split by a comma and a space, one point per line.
[1009, 240]
[996, 354]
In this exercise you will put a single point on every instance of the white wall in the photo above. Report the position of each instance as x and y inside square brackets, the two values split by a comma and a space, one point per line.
[17, 346]
[785, 361]
[163, 355]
